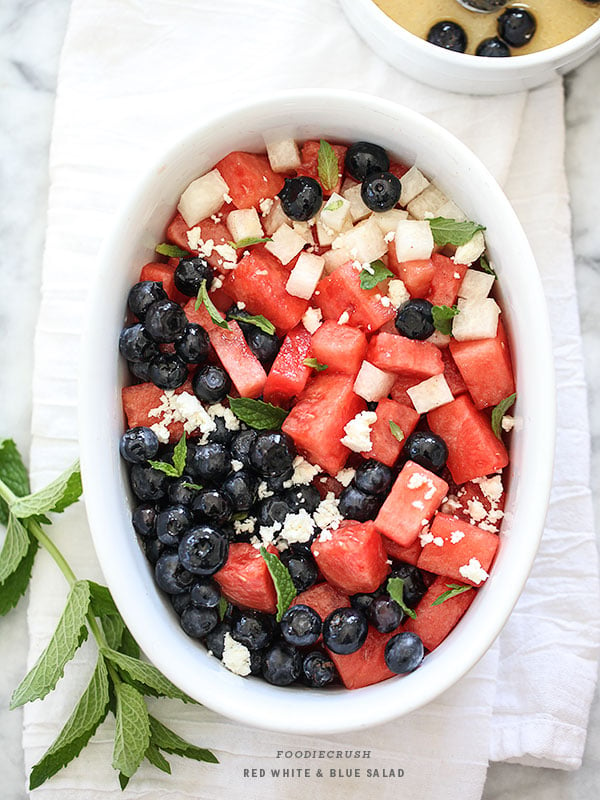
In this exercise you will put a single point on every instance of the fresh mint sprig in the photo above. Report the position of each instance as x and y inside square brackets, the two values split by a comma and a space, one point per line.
[450, 231]
[487, 267]
[120, 681]
[284, 586]
[328, 167]
[442, 318]
[396, 431]
[454, 589]
[174, 470]
[171, 251]
[213, 311]
[256, 413]
[374, 274]
[395, 588]
[257, 320]
[499, 411]
[315, 364]
[249, 241]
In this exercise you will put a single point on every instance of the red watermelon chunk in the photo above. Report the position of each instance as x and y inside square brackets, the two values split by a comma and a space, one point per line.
[322, 598]
[244, 369]
[340, 293]
[316, 423]
[289, 374]
[386, 448]
[367, 665]
[177, 232]
[217, 232]
[249, 177]
[472, 493]
[473, 449]
[399, 393]
[414, 497]
[452, 374]
[245, 579]
[457, 550]
[446, 280]
[341, 347]
[140, 399]
[259, 281]
[409, 555]
[417, 276]
[486, 369]
[352, 557]
[398, 169]
[411, 357]
[163, 273]
[434, 623]
[310, 162]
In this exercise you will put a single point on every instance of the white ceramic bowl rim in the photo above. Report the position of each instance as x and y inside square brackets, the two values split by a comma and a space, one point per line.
[251, 701]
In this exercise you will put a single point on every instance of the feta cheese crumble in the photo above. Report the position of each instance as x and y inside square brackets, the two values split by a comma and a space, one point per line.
[473, 571]
[327, 514]
[358, 432]
[232, 423]
[297, 527]
[312, 319]
[244, 525]
[345, 476]
[304, 472]
[344, 318]
[184, 408]
[456, 536]
[236, 656]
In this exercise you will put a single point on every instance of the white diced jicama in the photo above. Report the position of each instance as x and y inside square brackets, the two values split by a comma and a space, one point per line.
[202, 198]
[477, 319]
[286, 244]
[335, 213]
[244, 224]
[283, 154]
[304, 277]
[413, 183]
[275, 218]
[413, 240]
[427, 203]
[305, 230]
[334, 259]
[439, 339]
[429, 394]
[475, 285]
[388, 220]
[451, 211]
[373, 383]
[470, 252]
[364, 242]
[358, 210]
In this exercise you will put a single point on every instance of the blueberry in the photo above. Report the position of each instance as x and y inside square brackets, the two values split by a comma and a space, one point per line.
[357, 505]
[302, 568]
[210, 462]
[199, 622]
[180, 602]
[318, 669]
[363, 158]
[385, 614]
[413, 587]
[492, 48]
[215, 640]
[301, 197]
[193, 345]
[212, 505]
[138, 445]
[205, 593]
[305, 497]
[448, 35]
[253, 629]
[240, 487]
[189, 274]
[300, 626]
[345, 630]
[241, 444]
[139, 369]
[172, 523]
[483, 5]
[427, 449]
[256, 659]
[165, 321]
[211, 384]
[380, 191]
[240, 315]
[167, 371]
[281, 664]
[273, 509]
[272, 453]
[148, 483]
[142, 295]
[415, 320]
[136, 344]
[363, 602]
[516, 26]
[221, 433]
[171, 576]
[144, 520]
[180, 492]
[265, 346]
[153, 548]
[278, 483]
[203, 550]
[373, 477]
[404, 653]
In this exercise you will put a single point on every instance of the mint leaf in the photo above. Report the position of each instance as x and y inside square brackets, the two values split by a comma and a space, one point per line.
[213, 311]
[145, 675]
[284, 586]
[156, 758]
[164, 466]
[258, 320]
[132, 730]
[328, 166]
[222, 607]
[170, 742]
[450, 231]
[499, 411]
[14, 549]
[334, 205]
[113, 627]
[249, 241]
[174, 470]
[312, 362]
[171, 250]
[15, 586]
[78, 729]
[397, 431]
[13, 473]
[101, 600]
[454, 589]
[442, 318]
[55, 497]
[195, 486]
[70, 633]
[485, 266]
[256, 413]
[395, 588]
[377, 272]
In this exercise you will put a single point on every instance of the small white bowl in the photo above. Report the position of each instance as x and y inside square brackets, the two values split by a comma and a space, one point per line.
[460, 72]
[348, 117]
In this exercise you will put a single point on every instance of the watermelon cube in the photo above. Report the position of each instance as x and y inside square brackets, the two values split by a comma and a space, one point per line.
[250, 178]
[316, 423]
[413, 499]
[140, 399]
[209, 231]
[322, 598]
[367, 665]
[310, 162]
[289, 374]
[446, 280]
[398, 391]
[417, 275]
[459, 550]
[473, 449]
[177, 232]
[485, 366]
[410, 357]
[245, 579]
[408, 555]
[165, 274]
[352, 557]
[386, 447]
[341, 347]
[452, 374]
[434, 623]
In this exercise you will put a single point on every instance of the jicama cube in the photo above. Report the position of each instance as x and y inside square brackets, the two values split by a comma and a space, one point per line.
[203, 197]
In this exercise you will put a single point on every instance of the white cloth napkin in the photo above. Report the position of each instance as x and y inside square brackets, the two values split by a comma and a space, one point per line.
[132, 74]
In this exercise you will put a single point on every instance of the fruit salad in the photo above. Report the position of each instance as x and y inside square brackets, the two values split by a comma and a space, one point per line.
[320, 381]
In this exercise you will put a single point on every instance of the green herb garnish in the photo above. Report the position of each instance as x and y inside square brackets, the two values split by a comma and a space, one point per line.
[397, 431]
[328, 166]
[213, 312]
[499, 411]
[248, 242]
[487, 267]
[451, 231]
[334, 205]
[377, 272]
[454, 589]
[174, 470]
[442, 318]
[171, 251]
[395, 588]
[284, 586]
[258, 320]
[256, 413]
[312, 362]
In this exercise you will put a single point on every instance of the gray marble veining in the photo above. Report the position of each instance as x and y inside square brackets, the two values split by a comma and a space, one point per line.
[31, 33]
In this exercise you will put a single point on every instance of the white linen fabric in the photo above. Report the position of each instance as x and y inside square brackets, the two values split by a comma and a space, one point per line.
[132, 73]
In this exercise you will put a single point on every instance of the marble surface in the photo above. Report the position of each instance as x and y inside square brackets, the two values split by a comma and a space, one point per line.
[31, 33]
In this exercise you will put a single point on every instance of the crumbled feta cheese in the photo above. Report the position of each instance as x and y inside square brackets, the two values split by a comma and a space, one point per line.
[358, 432]
[456, 536]
[450, 505]
[327, 514]
[304, 471]
[508, 423]
[244, 525]
[297, 527]
[473, 571]
[232, 423]
[389, 237]
[265, 205]
[236, 656]
[268, 532]
[184, 408]
[345, 476]
[418, 504]
[161, 431]
[227, 197]
[425, 538]
[344, 318]
[264, 491]
[326, 536]
[236, 465]
[312, 319]
[416, 480]
[217, 282]
[491, 487]
[398, 293]
[438, 541]
[476, 510]
[228, 254]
